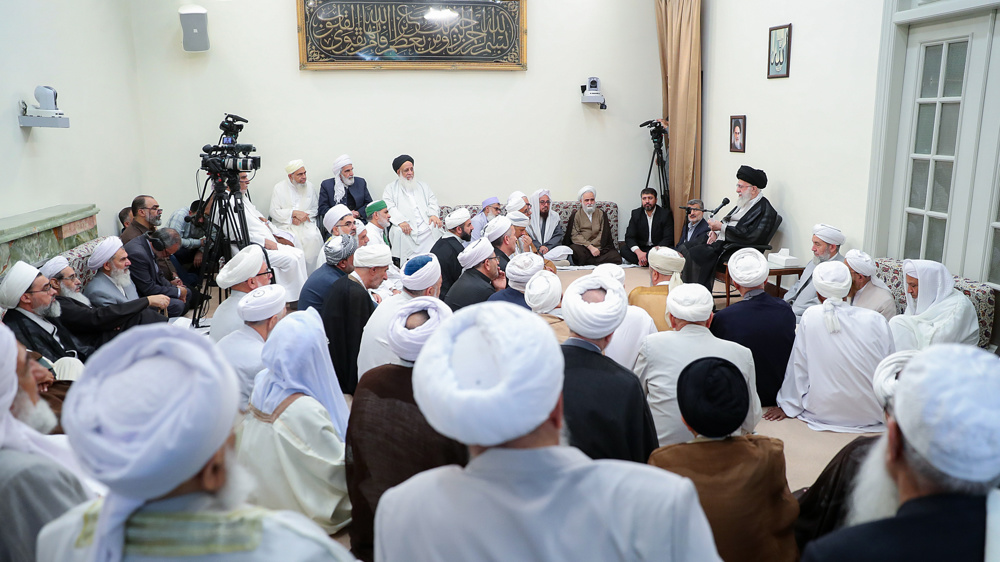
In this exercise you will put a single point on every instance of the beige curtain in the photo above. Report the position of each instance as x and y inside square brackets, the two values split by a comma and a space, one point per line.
[678, 26]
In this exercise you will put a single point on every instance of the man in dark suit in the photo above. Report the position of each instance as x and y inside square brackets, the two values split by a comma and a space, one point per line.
[748, 224]
[458, 229]
[696, 230]
[143, 253]
[33, 314]
[344, 187]
[650, 225]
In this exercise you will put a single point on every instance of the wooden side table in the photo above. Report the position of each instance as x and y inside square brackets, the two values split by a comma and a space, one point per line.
[777, 272]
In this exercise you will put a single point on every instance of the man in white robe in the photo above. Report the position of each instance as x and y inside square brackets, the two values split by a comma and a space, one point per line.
[489, 209]
[294, 206]
[413, 210]
[826, 242]
[664, 355]
[514, 498]
[260, 310]
[374, 233]
[936, 312]
[242, 274]
[151, 418]
[828, 381]
[545, 228]
[867, 290]
[629, 335]
[421, 278]
[292, 437]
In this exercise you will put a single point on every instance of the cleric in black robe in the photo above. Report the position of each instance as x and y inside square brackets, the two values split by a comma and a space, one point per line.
[458, 229]
[748, 224]
[33, 314]
[479, 280]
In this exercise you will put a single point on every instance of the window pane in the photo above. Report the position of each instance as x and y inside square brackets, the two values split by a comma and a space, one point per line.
[935, 239]
[925, 128]
[918, 184]
[948, 131]
[932, 72]
[914, 232]
[954, 72]
[942, 186]
[995, 259]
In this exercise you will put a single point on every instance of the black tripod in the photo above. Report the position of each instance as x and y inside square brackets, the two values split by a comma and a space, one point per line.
[659, 159]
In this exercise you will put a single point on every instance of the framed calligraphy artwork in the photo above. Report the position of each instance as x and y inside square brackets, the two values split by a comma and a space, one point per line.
[384, 34]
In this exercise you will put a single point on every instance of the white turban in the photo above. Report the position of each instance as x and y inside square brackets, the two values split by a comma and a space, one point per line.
[339, 248]
[520, 269]
[54, 266]
[262, 303]
[293, 166]
[543, 292]
[946, 406]
[612, 270]
[243, 266]
[103, 252]
[667, 262]
[338, 164]
[594, 320]
[456, 218]
[515, 202]
[469, 389]
[406, 343]
[421, 271]
[17, 280]
[373, 255]
[833, 281]
[152, 407]
[475, 253]
[884, 380]
[863, 264]
[519, 219]
[936, 283]
[690, 302]
[749, 268]
[497, 227]
[333, 216]
[829, 234]
[585, 189]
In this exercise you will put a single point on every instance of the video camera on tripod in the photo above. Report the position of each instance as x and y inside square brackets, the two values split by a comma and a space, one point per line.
[229, 158]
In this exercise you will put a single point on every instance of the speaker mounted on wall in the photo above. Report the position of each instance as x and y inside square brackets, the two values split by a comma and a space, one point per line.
[194, 23]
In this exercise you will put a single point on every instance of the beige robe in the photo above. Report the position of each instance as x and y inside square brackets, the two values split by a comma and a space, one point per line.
[876, 298]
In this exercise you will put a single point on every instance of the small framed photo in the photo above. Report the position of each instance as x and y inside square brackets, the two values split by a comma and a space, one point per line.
[737, 133]
[779, 47]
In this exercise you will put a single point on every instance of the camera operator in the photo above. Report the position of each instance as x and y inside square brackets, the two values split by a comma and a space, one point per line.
[191, 226]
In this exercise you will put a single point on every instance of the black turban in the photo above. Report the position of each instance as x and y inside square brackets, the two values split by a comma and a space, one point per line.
[713, 396]
[751, 176]
[398, 162]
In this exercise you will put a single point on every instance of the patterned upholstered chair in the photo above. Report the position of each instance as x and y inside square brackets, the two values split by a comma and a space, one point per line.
[564, 208]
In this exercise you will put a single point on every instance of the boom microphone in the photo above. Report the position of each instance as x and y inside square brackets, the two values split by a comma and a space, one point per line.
[725, 201]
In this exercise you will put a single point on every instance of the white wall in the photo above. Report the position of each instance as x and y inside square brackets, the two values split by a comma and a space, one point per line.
[811, 132]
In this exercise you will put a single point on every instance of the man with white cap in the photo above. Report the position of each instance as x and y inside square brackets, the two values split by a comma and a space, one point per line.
[543, 294]
[490, 208]
[665, 354]
[413, 209]
[936, 312]
[522, 242]
[339, 220]
[422, 277]
[665, 266]
[260, 309]
[589, 232]
[339, 255]
[246, 271]
[344, 188]
[650, 225]
[762, 323]
[519, 270]
[378, 456]
[458, 234]
[624, 347]
[828, 382]
[826, 242]
[606, 412]
[517, 202]
[347, 307]
[152, 420]
[481, 275]
[868, 290]
[546, 229]
[500, 233]
[295, 206]
[292, 437]
[943, 459]
[521, 486]
[111, 283]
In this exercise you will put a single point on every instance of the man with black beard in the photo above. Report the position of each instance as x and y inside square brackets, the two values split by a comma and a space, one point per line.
[650, 225]
[458, 233]
[146, 216]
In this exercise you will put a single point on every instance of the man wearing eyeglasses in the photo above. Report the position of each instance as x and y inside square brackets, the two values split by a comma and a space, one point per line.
[481, 276]
[146, 216]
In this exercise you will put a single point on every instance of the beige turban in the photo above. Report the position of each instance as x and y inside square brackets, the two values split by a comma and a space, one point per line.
[543, 292]
[520, 269]
[466, 385]
[833, 281]
[519, 219]
[243, 266]
[691, 302]
[333, 216]
[496, 228]
[103, 252]
[54, 266]
[294, 165]
[749, 268]
[594, 320]
[612, 270]
[421, 271]
[515, 202]
[667, 262]
[406, 343]
[586, 189]
[373, 255]
[475, 253]
[829, 234]
[863, 264]
[17, 280]
[262, 303]
[456, 218]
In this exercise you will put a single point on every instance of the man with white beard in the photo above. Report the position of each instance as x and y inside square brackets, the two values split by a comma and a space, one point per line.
[152, 420]
[344, 188]
[826, 242]
[936, 312]
[413, 209]
[112, 284]
[489, 209]
[590, 232]
[295, 206]
[940, 456]
[378, 222]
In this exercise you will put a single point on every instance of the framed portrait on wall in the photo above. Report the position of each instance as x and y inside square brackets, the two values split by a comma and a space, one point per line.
[779, 47]
[737, 133]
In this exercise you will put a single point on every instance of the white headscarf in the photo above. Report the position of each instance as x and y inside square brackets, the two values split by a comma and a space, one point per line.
[466, 385]
[103, 252]
[749, 267]
[667, 262]
[936, 283]
[884, 380]
[585, 189]
[515, 202]
[518, 219]
[152, 407]
[297, 360]
[612, 270]
[338, 184]
[475, 253]
[54, 266]
[551, 222]
[373, 255]
[497, 227]
[520, 269]
[262, 303]
[594, 320]
[456, 218]
[427, 275]
[829, 234]
[543, 292]
[243, 266]
[833, 281]
[333, 216]
[691, 302]
[294, 166]
[863, 264]
[17, 280]
[406, 343]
